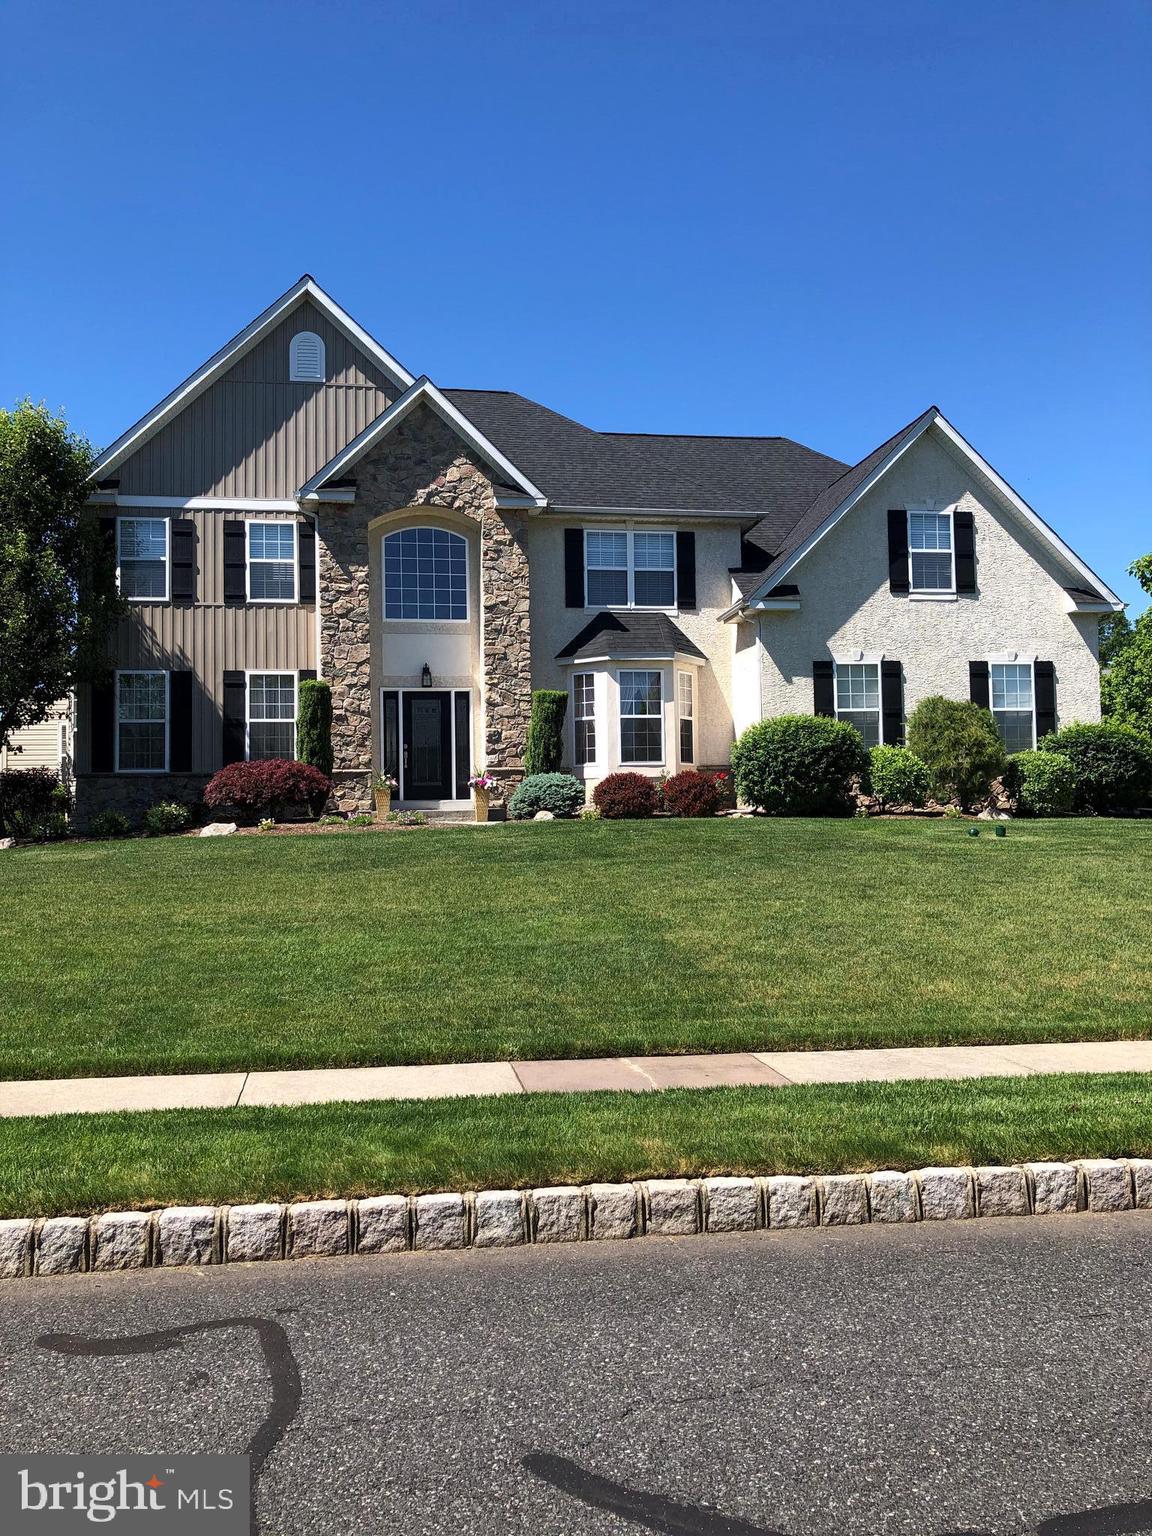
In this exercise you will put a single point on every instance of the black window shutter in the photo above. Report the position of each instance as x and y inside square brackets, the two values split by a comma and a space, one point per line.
[306, 533]
[892, 702]
[183, 535]
[978, 683]
[964, 527]
[102, 725]
[686, 570]
[235, 717]
[235, 568]
[898, 550]
[574, 567]
[823, 688]
[180, 696]
[1045, 672]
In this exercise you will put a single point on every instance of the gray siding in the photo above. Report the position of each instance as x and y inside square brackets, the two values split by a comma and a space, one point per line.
[255, 434]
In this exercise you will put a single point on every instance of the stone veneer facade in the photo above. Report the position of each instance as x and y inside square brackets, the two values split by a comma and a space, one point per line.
[422, 463]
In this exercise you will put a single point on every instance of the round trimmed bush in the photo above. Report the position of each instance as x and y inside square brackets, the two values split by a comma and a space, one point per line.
[164, 817]
[691, 794]
[1041, 783]
[800, 765]
[559, 793]
[1113, 764]
[960, 746]
[109, 824]
[899, 777]
[625, 797]
[265, 788]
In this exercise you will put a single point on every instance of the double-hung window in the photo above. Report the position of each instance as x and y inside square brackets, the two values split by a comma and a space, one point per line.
[584, 717]
[858, 698]
[686, 704]
[629, 570]
[141, 722]
[271, 715]
[1013, 704]
[641, 717]
[142, 558]
[272, 562]
[930, 553]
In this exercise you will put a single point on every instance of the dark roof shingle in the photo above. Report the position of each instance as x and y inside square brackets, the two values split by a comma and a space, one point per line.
[628, 637]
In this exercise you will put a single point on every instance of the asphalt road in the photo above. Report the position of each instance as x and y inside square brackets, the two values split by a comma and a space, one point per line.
[989, 1377]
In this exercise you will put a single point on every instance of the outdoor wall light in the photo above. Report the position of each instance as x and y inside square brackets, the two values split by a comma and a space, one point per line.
[425, 676]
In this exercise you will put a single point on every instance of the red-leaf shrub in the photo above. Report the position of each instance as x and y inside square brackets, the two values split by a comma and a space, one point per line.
[625, 796]
[260, 789]
[691, 794]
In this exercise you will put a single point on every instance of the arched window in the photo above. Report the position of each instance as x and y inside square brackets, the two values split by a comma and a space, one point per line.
[425, 574]
[306, 358]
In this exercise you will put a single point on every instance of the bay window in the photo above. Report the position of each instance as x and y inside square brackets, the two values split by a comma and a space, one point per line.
[686, 704]
[641, 717]
[584, 718]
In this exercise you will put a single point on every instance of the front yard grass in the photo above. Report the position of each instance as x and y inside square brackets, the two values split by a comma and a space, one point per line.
[81, 1163]
[569, 939]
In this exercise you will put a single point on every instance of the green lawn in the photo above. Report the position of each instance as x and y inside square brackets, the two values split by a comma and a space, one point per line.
[81, 1163]
[569, 939]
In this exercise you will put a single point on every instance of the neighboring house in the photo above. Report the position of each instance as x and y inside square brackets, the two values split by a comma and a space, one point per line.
[46, 745]
[303, 506]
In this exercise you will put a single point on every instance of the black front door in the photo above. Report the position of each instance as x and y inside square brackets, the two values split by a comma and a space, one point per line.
[427, 769]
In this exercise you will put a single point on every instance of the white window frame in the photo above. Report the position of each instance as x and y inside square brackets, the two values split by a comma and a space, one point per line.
[630, 535]
[145, 517]
[1013, 660]
[435, 528]
[686, 674]
[648, 762]
[590, 719]
[859, 660]
[142, 672]
[272, 522]
[913, 589]
[294, 374]
[249, 722]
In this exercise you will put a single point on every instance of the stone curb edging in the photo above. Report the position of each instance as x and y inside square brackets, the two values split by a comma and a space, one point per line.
[194, 1235]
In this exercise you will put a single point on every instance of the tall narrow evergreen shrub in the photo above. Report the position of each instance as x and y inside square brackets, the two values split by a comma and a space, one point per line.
[314, 725]
[545, 748]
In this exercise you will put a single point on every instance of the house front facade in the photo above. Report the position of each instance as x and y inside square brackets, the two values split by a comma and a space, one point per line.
[303, 506]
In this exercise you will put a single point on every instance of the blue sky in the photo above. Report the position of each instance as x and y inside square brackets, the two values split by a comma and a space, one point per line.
[809, 219]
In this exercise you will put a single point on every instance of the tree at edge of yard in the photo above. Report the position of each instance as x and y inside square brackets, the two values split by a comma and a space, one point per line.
[1126, 685]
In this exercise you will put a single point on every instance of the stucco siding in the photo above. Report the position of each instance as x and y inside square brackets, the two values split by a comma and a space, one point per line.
[847, 606]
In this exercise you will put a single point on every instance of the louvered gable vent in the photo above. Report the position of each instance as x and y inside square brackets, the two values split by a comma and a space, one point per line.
[306, 358]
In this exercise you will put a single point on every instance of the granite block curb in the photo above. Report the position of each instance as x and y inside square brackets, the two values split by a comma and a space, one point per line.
[205, 1235]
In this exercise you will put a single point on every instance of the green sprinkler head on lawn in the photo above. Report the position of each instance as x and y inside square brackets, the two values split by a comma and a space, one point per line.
[1001, 830]
[973, 831]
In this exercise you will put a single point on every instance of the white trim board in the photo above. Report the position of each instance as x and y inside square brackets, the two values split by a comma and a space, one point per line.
[196, 383]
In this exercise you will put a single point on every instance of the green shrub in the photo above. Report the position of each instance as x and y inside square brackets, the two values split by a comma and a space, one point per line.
[544, 749]
[899, 777]
[165, 816]
[556, 792]
[1041, 783]
[406, 819]
[29, 798]
[1113, 764]
[799, 765]
[109, 824]
[959, 744]
[314, 725]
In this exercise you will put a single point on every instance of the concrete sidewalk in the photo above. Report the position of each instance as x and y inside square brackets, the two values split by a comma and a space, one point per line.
[629, 1073]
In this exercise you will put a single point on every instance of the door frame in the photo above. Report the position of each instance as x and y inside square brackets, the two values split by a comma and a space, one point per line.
[452, 694]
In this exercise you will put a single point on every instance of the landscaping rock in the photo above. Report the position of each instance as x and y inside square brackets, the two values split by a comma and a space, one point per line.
[1055, 1188]
[254, 1233]
[558, 1214]
[186, 1235]
[1142, 1181]
[62, 1245]
[731, 1205]
[544, 816]
[441, 1222]
[945, 1193]
[791, 1201]
[383, 1224]
[673, 1207]
[15, 1248]
[7, 842]
[499, 1219]
[123, 1240]
[843, 1200]
[218, 829]
[318, 1229]
[1109, 1184]
[892, 1196]
[611, 1210]
[1001, 1192]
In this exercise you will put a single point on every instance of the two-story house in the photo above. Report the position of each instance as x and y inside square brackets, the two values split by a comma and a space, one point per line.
[302, 506]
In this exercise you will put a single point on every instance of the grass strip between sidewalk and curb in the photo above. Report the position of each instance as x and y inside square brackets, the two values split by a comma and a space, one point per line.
[78, 1164]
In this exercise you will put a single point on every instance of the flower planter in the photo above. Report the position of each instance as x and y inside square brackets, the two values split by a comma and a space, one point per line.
[480, 800]
[383, 799]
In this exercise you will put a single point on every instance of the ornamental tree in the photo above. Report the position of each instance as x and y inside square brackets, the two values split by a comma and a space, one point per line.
[1126, 685]
[58, 595]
